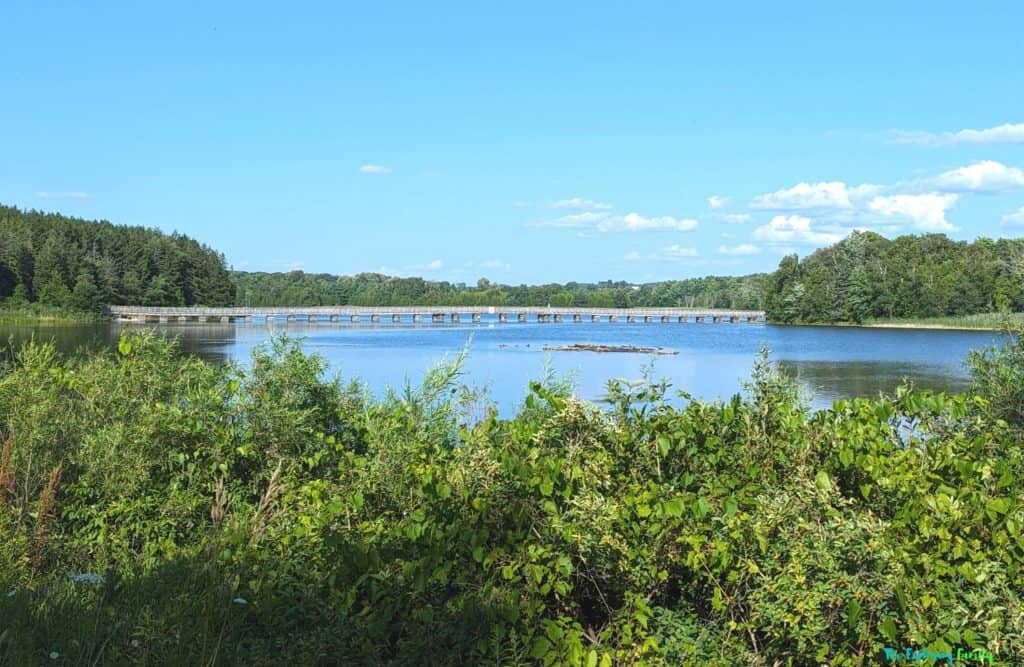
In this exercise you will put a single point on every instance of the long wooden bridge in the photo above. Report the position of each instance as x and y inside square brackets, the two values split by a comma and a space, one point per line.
[434, 314]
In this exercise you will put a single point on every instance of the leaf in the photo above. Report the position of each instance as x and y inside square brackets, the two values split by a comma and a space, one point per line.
[674, 507]
[888, 629]
[592, 658]
[997, 506]
[823, 482]
[853, 612]
[664, 445]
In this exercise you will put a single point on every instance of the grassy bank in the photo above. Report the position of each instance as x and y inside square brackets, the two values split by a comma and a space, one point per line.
[157, 509]
[38, 313]
[990, 321]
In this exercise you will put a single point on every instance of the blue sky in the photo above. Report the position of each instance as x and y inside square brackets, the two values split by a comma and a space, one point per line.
[524, 142]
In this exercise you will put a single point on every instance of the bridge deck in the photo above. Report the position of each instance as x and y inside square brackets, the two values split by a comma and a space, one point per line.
[435, 313]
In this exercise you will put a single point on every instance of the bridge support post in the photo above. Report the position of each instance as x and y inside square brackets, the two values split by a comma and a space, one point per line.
[521, 317]
[396, 319]
[353, 319]
[375, 318]
[699, 318]
[476, 317]
[183, 318]
[224, 319]
[438, 318]
[595, 318]
[664, 319]
[577, 318]
[163, 319]
[613, 319]
[631, 319]
[751, 319]
[455, 318]
[417, 318]
[558, 317]
[716, 319]
[734, 319]
[648, 319]
[335, 318]
[290, 318]
[502, 317]
[311, 318]
[682, 319]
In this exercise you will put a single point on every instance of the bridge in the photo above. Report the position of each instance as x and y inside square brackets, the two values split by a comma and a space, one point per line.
[433, 314]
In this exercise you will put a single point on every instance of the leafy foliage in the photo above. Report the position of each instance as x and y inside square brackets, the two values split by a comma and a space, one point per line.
[215, 514]
[867, 276]
[298, 288]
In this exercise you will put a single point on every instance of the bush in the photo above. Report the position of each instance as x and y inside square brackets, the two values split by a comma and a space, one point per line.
[158, 509]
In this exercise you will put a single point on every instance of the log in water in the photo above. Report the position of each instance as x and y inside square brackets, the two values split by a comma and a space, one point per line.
[591, 347]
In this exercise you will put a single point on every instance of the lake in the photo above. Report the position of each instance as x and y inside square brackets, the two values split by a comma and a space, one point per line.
[712, 361]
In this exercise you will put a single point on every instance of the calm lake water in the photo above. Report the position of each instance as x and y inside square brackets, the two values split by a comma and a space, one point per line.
[713, 359]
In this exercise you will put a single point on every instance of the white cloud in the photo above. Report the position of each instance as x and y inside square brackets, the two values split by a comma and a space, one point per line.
[1008, 133]
[735, 218]
[793, 229]
[573, 221]
[580, 204]
[493, 264]
[606, 222]
[374, 169]
[984, 176]
[62, 195]
[742, 249]
[674, 252]
[634, 222]
[927, 212]
[1014, 218]
[716, 201]
[824, 195]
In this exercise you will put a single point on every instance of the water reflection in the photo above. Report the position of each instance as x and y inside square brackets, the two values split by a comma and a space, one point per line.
[831, 380]
[712, 360]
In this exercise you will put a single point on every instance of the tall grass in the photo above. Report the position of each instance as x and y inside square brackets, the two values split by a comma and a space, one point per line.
[992, 321]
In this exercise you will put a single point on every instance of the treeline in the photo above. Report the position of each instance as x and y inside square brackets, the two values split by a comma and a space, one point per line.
[71, 263]
[867, 276]
[297, 288]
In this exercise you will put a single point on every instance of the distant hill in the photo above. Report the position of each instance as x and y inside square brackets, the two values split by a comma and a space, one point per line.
[79, 264]
[868, 276]
[297, 288]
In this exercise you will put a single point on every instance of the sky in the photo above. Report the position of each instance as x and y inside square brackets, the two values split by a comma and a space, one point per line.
[525, 142]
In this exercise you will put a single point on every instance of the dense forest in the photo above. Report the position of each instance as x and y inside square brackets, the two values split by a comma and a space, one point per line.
[80, 265]
[157, 509]
[367, 289]
[867, 276]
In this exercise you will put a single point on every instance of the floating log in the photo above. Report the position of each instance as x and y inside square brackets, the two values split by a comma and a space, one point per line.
[592, 347]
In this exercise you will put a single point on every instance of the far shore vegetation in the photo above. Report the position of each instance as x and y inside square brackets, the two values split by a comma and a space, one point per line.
[989, 321]
[76, 266]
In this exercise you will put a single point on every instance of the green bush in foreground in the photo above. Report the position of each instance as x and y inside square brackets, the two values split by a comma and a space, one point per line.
[156, 509]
